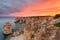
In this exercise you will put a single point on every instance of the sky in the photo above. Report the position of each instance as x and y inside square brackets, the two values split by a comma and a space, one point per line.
[29, 7]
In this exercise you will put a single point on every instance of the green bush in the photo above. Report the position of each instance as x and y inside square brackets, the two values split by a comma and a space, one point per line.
[57, 24]
[7, 37]
[57, 16]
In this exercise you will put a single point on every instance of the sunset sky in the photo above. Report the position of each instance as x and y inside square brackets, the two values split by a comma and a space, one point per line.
[29, 7]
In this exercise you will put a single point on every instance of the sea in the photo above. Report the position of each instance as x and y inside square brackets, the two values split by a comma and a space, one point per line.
[3, 20]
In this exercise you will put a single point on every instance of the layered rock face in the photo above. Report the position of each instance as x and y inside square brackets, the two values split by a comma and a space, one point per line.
[39, 28]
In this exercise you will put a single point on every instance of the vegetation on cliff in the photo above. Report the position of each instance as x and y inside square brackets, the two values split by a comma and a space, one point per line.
[56, 17]
[57, 24]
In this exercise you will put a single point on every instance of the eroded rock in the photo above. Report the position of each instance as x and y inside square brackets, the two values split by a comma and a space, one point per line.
[7, 28]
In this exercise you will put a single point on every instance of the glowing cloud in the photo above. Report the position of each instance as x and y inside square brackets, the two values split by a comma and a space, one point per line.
[38, 8]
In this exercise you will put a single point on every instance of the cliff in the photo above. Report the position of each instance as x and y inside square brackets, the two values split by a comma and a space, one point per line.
[40, 28]
[35, 28]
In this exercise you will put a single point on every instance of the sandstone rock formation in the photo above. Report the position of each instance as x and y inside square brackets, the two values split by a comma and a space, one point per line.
[39, 28]
[7, 28]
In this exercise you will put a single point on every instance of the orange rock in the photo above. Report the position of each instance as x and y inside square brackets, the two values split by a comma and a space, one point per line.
[17, 19]
[7, 28]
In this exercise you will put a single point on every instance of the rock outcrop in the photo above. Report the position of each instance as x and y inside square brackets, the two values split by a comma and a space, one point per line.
[7, 28]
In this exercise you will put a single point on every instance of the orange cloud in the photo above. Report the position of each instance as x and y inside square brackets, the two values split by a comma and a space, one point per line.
[50, 7]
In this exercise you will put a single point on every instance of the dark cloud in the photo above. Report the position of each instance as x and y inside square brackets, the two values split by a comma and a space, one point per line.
[10, 6]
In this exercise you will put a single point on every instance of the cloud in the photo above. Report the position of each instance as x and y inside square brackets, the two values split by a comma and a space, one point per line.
[51, 7]
[11, 6]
